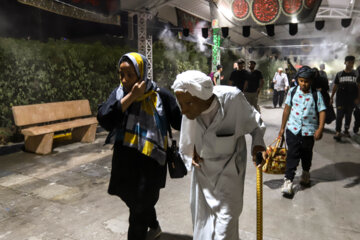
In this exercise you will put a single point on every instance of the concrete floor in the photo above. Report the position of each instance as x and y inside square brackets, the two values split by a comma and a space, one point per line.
[64, 195]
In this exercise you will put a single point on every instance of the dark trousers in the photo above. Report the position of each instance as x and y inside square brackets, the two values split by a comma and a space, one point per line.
[137, 180]
[357, 119]
[299, 147]
[278, 97]
[342, 111]
[141, 199]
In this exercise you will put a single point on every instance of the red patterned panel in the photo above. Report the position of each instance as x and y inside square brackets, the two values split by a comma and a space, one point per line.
[292, 6]
[310, 3]
[265, 11]
[240, 9]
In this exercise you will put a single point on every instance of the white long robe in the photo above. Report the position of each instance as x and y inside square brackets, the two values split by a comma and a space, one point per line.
[216, 197]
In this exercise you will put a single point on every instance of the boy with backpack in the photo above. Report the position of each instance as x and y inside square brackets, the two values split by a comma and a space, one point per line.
[304, 119]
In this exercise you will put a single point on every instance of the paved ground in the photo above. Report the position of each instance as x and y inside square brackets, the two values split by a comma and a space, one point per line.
[63, 195]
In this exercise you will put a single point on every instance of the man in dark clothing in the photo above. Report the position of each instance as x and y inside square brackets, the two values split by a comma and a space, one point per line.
[253, 85]
[347, 89]
[322, 71]
[321, 84]
[239, 77]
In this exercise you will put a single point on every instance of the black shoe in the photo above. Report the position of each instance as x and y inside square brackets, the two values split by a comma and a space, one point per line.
[356, 130]
[346, 134]
[337, 137]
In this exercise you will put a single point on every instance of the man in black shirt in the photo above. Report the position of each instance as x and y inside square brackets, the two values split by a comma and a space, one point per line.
[347, 89]
[239, 77]
[253, 85]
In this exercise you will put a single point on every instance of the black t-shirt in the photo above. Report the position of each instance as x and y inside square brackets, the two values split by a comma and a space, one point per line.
[347, 87]
[238, 78]
[254, 81]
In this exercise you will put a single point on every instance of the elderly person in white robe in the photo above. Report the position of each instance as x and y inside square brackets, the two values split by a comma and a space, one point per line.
[215, 120]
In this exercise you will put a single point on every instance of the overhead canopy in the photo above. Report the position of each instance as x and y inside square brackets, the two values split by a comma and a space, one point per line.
[332, 11]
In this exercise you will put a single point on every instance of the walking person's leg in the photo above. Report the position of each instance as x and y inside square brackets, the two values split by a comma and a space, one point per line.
[306, 154]
[292, 161]
[275, 98]
[281, 97]
[256, 99]
[348, 112]
[142, 209]
[356, 120]
[339, 119]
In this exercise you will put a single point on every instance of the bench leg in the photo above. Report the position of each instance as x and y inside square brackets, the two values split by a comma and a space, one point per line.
[84, 134]
[41, 144]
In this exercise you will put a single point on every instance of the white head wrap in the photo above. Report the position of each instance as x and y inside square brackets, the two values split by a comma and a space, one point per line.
[198, 84]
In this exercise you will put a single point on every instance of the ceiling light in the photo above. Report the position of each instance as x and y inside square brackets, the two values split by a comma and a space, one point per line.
[205, 32]
[319, 25]
[270, 29]
[293, 29]
[345, 22]
[246, 31]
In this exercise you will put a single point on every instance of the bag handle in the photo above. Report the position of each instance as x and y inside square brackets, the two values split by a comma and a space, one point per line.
[280, 142]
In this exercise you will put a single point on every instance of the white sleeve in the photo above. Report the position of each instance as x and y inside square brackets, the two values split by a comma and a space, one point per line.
[249, 121]
[187, 141]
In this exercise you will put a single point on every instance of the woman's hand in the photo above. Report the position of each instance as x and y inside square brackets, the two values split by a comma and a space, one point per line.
[138, 89]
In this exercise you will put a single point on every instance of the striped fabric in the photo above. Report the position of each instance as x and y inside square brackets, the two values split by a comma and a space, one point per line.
[144, 124]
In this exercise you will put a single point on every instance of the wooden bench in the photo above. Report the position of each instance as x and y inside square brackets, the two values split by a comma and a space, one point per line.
[39, 122]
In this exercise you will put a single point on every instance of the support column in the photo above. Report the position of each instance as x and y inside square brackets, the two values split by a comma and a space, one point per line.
[149, 56]
[145, 41]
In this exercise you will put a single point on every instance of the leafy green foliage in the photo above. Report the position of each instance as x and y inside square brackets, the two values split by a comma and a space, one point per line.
[35, 72]
[167, 63]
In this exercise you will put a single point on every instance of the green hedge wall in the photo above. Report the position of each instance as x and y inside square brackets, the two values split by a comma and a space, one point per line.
[167, 63]
[35, 72]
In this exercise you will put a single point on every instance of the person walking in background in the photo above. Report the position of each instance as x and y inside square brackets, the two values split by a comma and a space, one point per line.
[137, 115]
[304, 119]
[240, 76]
[322, 84]
[212, 143]
[292, 81]
[253, 85]
[281, 84]
[217, 76]
[322, 72]
[347, 89]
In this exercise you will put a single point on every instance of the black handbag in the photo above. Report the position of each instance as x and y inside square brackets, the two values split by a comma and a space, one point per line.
[175, 164]
[330, 114]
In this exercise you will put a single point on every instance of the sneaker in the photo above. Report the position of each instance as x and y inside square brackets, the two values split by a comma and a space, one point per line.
[305, 178]
[153, 233]
[287, 187]
[346, 134]
[337, 137]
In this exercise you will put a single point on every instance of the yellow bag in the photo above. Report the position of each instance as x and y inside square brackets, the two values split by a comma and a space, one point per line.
[276, 160]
